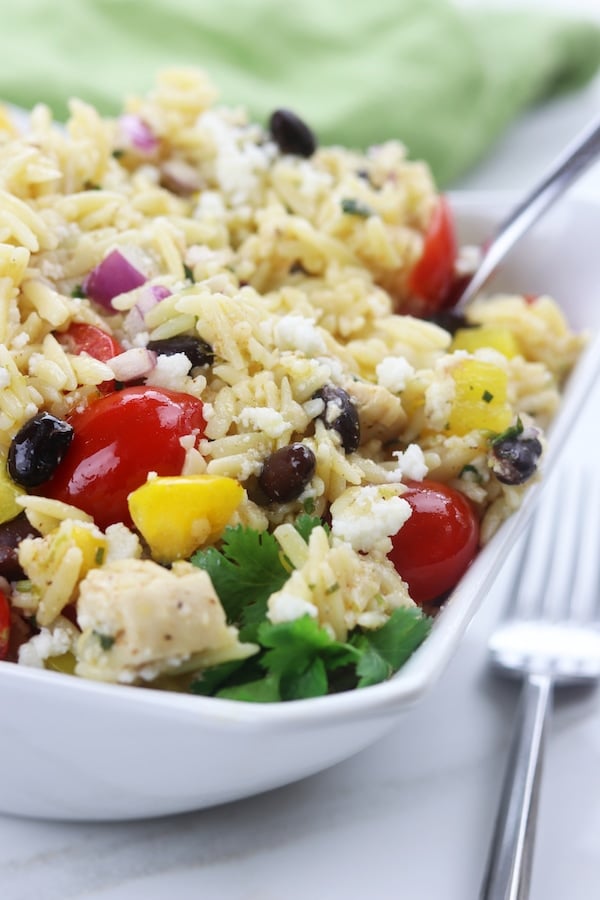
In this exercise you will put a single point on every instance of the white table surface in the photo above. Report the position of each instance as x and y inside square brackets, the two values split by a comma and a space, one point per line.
[410, 817]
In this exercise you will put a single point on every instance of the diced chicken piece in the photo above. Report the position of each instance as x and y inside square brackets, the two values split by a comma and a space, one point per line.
[380, 412]
[140, 620]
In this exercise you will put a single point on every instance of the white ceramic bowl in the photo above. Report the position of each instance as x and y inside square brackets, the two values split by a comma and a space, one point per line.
[72, 749]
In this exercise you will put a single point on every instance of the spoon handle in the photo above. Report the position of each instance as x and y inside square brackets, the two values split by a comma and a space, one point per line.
[573, 161]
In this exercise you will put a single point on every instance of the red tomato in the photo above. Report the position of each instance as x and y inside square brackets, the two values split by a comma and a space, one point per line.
[432, 277]
[434, 548]
[83, 338]
[117, 440]
[4, 625]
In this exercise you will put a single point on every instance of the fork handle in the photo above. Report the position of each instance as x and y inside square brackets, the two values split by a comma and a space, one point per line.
[508, 871]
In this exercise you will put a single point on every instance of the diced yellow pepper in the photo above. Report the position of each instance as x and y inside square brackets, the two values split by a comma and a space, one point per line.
[9, 491]
[498, 337]
[63, 663]
[177, 514]
[92, 545]
[480, 398]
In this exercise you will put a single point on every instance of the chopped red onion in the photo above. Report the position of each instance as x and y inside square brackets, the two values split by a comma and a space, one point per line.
[113, 276]
[138, 134]
[134, 363]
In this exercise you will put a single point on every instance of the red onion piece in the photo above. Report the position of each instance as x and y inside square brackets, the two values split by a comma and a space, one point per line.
[134, 363]
[113, 276]
[138, 134]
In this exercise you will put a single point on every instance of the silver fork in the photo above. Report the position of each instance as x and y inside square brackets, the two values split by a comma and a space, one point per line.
[550, 637]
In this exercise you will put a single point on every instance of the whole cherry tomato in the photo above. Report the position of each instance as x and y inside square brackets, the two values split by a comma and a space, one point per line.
[117, 440]
[433, 275]
[436, 545]
[4, 625]
[83, 338]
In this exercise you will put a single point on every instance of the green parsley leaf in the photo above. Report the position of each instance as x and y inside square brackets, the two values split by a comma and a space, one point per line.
[189, 273]
[309, 505]
[304, 525]
[393, 643]
[353, 207]
[487, 397]
[264, 690]
[244, 573]
[78, 293]
[301, 653]
[208, 681]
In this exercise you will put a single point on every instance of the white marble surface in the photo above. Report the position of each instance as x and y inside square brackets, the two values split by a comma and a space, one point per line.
[411, 816]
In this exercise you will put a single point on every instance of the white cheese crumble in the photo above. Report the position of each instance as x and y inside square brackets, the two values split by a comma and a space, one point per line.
[299, 333]
[4, 377]
[49, 642]
[411, 464]
[439, 397]
[285, 607]
[366, 516]
[170, 371]
[393, 372]
[263, 419]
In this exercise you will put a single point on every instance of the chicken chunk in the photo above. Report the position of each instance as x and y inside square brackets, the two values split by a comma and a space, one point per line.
[140, 620]
[381, 414]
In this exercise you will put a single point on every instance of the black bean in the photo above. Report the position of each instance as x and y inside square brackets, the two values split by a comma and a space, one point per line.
[291, 134]
[286, 472]
[450, 321]
[340, 414]
[515, 459]
[11, 535]
[37, 449]
[198, 351]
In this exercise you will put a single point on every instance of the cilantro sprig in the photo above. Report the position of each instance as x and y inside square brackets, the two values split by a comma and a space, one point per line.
[296, 659]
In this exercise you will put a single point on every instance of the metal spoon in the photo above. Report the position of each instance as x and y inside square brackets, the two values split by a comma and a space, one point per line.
[572, 162]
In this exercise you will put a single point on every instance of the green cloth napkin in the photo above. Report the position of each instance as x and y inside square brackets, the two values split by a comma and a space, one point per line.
[443, 81]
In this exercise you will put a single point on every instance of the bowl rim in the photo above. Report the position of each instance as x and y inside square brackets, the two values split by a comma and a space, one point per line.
[426, 665]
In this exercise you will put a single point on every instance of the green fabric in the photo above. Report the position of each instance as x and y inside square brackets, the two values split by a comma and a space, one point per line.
[443, 81]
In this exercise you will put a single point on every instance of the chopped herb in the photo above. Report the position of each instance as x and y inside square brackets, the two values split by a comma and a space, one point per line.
[332, 588]
[99, 557]
[471, 470]
[512, 432]
[304, 525]
[92, 186]
[309, 506]
[391, 645]
[118, 154]
[189, 273]
[353, 207]
[78, 292]
[106, 640]
[487, 397]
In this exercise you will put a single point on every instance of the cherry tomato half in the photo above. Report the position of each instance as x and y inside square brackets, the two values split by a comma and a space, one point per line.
[4, 625]
[83, 338]
[434, 548]
[117, 440]
[433, 275]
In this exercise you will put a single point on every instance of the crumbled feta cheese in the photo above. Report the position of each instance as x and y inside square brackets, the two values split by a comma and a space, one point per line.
[298, 333]
[393, 372]
[366, 516]
[411, 464]
[4, 377]
[122, 543]
[286, 607]
[264, 419]
[49, 642]
[170, 371]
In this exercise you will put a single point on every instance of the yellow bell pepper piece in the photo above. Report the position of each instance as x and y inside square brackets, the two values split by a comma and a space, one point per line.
[92, 545]
[480, 398]
[497, 337]
[63, 663]
[176, 514]
[9, 491]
